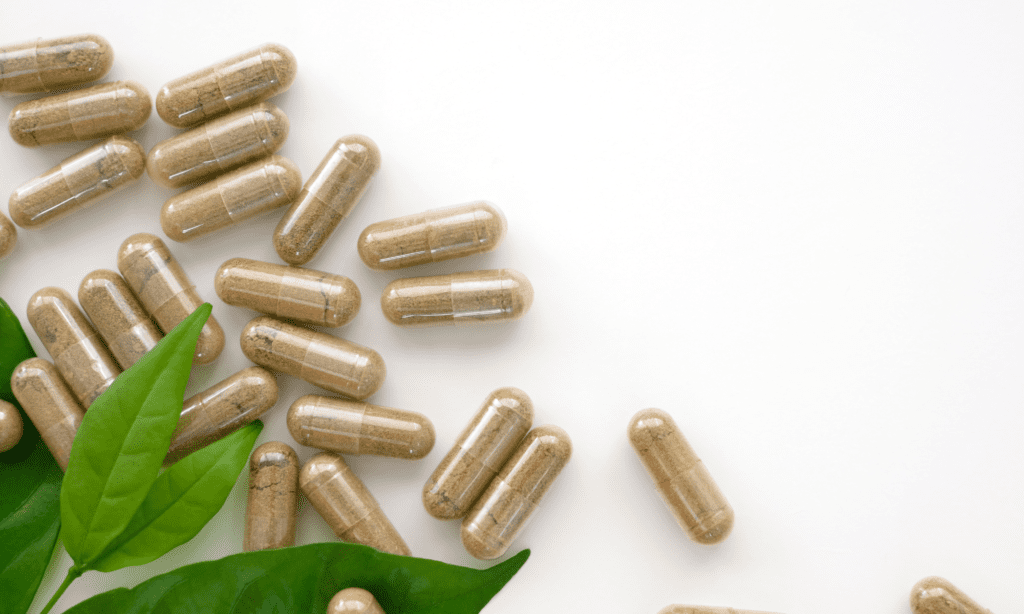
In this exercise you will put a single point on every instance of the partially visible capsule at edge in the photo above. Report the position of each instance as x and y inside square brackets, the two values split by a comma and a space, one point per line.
[11, 426]
[272, 506]
[459, 298]
[935, 595]
[8, 235]
[118, 317]
[354, 601]
[92, 113]
[703, 609]
[49, 404]
[353, 427]
[42, 65]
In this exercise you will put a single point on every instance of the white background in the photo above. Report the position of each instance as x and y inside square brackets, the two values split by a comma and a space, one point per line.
[796, 226]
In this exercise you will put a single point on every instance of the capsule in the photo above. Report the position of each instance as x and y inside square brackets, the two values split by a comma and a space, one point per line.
[330, 194]
[343, 501]
[459, 298]
[351, 427]
[703, 609]
[76, 349]
[8, 235]
[49, 404]
[93, 113]
[11, 426]
[501, 512]
[286, 292]
[936, 595]
[682, 479]
[80, 180]
[119, 318]
[221, 410]
[236, 83]
[165, 290]
[479, 453]
[46, 65]
[323, 360]
[273, 497]
[230, 199]
[354, 601]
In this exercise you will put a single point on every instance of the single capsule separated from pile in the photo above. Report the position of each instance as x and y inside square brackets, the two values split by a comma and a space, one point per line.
[935, 595]
[49, 404]
[11, 426]
[119, 318]
[353, 427]
[43, 65]
[8, 235]
[92, 113]
[273, 497]
[354, 601]
[459, 298]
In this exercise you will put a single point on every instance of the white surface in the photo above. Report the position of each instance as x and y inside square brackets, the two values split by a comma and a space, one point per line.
[798, 228]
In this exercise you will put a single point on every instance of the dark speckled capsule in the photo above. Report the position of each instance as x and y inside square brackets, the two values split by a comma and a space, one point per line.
[273, 497]
[93, 113]
[45, 65]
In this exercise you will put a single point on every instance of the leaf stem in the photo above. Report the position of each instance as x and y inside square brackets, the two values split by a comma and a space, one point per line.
[73, 575]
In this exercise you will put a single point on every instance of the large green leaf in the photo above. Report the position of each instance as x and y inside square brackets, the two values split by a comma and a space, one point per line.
[303, 579]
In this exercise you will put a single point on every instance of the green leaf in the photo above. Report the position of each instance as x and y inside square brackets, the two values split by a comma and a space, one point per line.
[121, 444]
[182, 500]
[303, 579]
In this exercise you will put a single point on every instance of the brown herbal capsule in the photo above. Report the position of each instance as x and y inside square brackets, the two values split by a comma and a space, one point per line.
[459, 298]
[11, 426]
[343, 501]
[92, 113]
[288, 292]
[273, 497]
[221, 410]
[49, 404]
[703, 609]
[479, 453]
[935, 595]
[165, 290]
[80, 180]
[8, 236]
[439, 234]
[680, 477]
[322, 360]
[232, 198]
[351, 427]
[45, 65]
[119, 318]
[354, 601]
[219, 146]
[329, 195]
[235, 83]
[511, 498]
[76, 349]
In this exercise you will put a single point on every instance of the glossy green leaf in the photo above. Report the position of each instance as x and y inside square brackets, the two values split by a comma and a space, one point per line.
[182, 500]
[121, 444]
[303, 579]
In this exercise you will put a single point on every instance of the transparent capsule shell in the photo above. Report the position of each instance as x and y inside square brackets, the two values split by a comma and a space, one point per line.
[92, 113]
[353, 427]
[8, 235]
[354, 601]
[11, 426]
[459, 298]
[49, 404]
[273, 501]
[43, 65]
[118, 317]
[703, 609]
[935, 595]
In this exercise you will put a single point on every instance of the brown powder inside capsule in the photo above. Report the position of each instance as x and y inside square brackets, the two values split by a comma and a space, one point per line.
[354, 601]
[273, 497]
[91, 113]
[43, 65]
[119, 318]
[935, 595]
[11, 426]
[8, 235]
[49, 404]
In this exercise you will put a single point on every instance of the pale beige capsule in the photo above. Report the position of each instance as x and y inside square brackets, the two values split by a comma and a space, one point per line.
[165, 290]
[343, 501]
[221, 410]
[680, 477]
[513, 495]
[439, 234]
[479, 453]
[235, 83]
[219, 146]
[703, 609]
[354, 601]
[352, 427]
[330, 194]
[92, 113]
[49, 404]
[44, 65]
[935, 595]
[322, 360]
[8, 235]
[230, 199]
[459, 298]
[76, 349]
[11, 426]
[273, 497]
[119, 318]
[287, 292]
[80, 180]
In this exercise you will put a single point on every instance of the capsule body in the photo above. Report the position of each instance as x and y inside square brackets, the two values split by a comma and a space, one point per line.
[45, 65]
[165, 290]
[49, 404]
[703, 609]
[343, 501]
[93, 113]
[351, 427]
[221, 410]
[287, 292]
[219, 146]
[354, 601]
[80, 180]
[459, 298]
[237, 82]
[680, 477]
[119, 318]
[8, 235]
[328, 196]
[934, 595]
[513, 495]
[76, 349]
[439, 234]
[11, 426]
[479, 453]
[323, 360]
[273, 497]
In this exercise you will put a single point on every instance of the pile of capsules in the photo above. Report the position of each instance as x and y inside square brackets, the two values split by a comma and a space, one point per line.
[499, 468]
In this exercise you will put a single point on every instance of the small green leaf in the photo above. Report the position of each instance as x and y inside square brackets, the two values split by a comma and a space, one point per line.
[182, 500]
[303, 579]
[121, 444]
